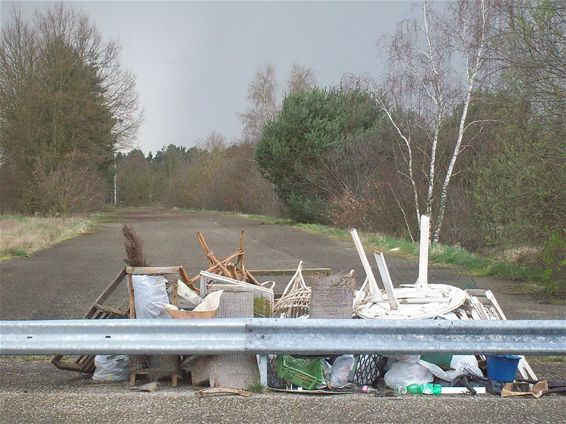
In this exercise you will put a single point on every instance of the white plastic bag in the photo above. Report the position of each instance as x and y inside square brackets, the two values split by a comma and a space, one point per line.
[111, 368]
[403, 373]
[211, 302]
[463, 364]
[341, 371]
[150, 294]
[436, 370]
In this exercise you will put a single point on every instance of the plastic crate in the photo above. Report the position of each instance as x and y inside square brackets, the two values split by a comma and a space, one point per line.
[304, 372]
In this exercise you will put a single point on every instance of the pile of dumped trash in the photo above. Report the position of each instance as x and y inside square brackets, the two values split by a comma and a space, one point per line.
[227, 289]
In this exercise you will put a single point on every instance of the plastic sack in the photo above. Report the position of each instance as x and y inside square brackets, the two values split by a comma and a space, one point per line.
[341, 373]
[211, 302]
[436, 370]
[463, 364]
[111, 368]
[150, 294]
[403, 373]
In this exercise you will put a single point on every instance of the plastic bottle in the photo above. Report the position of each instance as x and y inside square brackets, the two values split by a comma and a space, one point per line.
[425, 389]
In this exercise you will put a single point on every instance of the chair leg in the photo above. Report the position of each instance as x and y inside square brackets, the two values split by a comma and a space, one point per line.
[132, 378]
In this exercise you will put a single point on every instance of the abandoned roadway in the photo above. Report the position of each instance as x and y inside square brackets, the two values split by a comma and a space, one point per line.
[62, 282]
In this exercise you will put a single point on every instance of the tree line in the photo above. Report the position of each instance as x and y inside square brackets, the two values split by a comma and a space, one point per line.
[66, 107]
[466, 125]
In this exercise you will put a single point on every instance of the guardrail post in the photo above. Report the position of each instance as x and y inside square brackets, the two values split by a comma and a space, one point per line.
[262, 365]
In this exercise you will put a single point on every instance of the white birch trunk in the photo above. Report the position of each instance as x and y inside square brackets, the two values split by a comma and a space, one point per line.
[462, 128]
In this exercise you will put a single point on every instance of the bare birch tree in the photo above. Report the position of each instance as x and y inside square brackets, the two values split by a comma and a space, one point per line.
[264, 101]
[263, 104]
[301, 79]
[434, 67]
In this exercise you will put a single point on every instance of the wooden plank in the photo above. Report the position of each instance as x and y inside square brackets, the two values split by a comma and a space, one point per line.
[372, 284]
[251, 278]
[422, 280]
[175, 289]
[110, 310]
[88, 364]
[152, 270]
[65, 365]
[227, 280]
[131, 297]
[476, 296]
[106, 293]
[386, 278]
[325, 272]
[96, 311]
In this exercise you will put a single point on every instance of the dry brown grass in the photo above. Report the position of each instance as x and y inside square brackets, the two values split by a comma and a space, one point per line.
[21, 235]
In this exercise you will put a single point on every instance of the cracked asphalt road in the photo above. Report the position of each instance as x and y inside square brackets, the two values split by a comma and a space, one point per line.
[62, 282]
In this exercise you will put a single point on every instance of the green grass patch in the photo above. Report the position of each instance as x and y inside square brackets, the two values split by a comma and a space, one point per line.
[22, 253]
[439, 254]
[256, 388]
[264, 219]
[552, 359]
[29, 358]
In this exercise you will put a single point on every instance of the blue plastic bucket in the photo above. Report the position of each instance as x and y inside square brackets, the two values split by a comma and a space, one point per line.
[502, 367]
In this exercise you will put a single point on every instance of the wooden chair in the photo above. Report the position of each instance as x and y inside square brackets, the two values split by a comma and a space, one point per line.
[146, 364]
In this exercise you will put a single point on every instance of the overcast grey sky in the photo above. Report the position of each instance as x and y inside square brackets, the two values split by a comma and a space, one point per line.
[194, 60]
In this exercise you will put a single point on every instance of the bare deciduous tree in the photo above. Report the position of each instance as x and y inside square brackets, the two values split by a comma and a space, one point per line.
[65, 188]
[62, 91]
[263, 104]
[263, 98]
[214, 141]
[434, 67]
[301, 78]
[530, 48]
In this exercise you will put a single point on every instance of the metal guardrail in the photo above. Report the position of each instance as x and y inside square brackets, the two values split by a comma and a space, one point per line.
[296, 336]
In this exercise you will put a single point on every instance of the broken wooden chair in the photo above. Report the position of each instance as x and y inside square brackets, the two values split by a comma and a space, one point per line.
[154, 366]
[232, 266]
[98, 310]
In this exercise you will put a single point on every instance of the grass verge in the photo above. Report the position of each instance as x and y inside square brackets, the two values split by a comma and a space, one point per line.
[20, 235]
[28, 358]
[438, 254]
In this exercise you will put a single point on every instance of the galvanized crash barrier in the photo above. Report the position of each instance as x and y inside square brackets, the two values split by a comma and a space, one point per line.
[264, 336]
[261, 336]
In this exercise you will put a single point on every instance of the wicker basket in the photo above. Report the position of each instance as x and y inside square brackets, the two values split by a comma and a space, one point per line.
[296, 298]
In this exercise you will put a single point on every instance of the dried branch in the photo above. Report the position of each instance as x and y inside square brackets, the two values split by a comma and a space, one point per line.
[133, 245]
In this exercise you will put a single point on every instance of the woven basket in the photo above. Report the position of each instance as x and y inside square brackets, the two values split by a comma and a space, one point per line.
[296, 299]
[332, 297]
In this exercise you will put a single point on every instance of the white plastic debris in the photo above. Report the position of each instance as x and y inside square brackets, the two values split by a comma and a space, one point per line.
[188, 298]
[407, 371]
[111, 368]
[150, 294]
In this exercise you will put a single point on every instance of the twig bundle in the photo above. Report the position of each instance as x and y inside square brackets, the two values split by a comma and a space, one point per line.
[134, 248]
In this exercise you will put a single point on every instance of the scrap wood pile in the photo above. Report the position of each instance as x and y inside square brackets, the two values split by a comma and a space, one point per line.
[227, 289]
